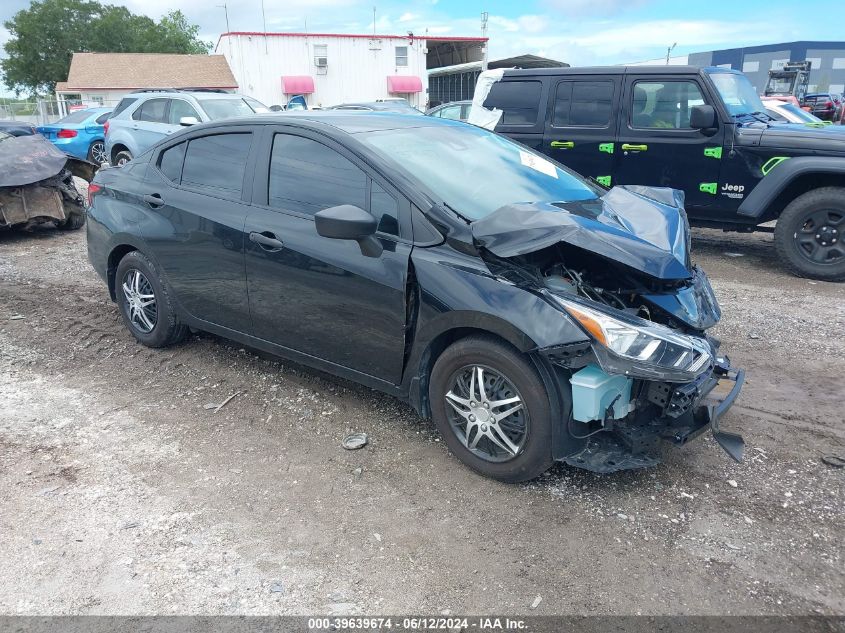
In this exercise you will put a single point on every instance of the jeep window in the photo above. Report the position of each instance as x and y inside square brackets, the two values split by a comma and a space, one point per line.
[583, 104]
[664, 104]
[153, 111]
[225, 108]
[124, 103]
[737, 93]
[519, 101]
[180, 108]
[474, 171]
[307, 176]
[216, 163]
[170, 163]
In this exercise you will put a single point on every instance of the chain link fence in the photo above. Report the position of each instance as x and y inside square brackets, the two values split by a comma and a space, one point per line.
[43, 111]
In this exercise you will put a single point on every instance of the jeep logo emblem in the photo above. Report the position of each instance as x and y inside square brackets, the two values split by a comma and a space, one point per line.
[736, 188]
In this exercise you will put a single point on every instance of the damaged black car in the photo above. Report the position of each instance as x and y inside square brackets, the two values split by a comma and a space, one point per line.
[534, 315]
[37, 186]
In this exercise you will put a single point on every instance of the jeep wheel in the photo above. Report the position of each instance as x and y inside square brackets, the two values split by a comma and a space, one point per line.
[809, 234]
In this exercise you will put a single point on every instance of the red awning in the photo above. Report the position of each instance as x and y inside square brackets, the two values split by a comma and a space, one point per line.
[298, 85]
[397, 84]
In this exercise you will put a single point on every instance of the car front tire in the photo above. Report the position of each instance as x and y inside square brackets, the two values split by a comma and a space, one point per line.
[490, 405]
[145, 302]
[809, 234]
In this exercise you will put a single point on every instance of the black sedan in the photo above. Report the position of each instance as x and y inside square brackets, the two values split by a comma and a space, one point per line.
[534, 315]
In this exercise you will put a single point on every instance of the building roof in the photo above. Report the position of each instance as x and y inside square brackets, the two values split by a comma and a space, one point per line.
[527, 61]
[119, 71]
[369, 36]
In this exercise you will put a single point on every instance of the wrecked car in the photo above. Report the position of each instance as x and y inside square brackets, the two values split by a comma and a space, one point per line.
[36, 184]
[535, 316]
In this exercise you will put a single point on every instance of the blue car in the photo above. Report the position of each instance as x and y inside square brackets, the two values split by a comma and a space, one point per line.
[80, 133]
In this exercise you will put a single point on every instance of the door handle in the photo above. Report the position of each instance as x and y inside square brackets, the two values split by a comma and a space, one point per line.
[563, 144]
[153, 199]
[267, 241]
[635, 148]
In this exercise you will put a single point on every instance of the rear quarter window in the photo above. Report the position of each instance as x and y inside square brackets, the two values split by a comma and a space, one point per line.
[519, 101]
[124, 103]
[215, 164]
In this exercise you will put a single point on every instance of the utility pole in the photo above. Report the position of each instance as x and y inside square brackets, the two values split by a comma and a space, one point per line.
[484, 17]
[226, 11]
[264, 21]
[374, 20]
[669, 52]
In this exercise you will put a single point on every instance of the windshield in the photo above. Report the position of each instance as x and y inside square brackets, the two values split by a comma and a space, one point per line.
[474, 171]
[737, 93]
[75, 117]
[226, 108]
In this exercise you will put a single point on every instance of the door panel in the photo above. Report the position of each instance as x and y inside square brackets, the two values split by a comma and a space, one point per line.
[657, 147]
[317, 295]
[149, 123]
[196, 231]
[581, 125]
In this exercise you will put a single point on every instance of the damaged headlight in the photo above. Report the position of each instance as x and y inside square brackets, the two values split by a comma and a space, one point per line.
[636, 347]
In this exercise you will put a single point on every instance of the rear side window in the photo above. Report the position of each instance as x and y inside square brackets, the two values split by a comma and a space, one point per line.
[124, 103]
[519, 101]
[583, 104]
[307, 176]
[103, 118]
[216, 163]
[170, 163]
[153, 111]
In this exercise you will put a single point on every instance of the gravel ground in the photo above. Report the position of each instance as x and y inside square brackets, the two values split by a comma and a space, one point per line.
[125, 493]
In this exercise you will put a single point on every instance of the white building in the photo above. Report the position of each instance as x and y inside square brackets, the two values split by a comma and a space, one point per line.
[330, 68]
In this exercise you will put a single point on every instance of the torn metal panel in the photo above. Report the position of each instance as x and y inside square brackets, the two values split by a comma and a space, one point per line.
[22, 204]
[641, 227]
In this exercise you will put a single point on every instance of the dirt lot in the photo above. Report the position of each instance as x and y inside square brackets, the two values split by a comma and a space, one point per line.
[123, 493]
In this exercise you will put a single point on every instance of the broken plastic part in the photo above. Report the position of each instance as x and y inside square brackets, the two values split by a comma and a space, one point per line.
[478, 114]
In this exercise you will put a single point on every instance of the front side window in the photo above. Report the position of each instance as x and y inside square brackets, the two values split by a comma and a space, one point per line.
[583, 104]
[384, 208]
[474, 171]
[152, 111]
[401, 56]
[225, 108]
[170, 162]
[307, 177]
[664, 104]
[216, 163]
[519, 101]
[179, 109]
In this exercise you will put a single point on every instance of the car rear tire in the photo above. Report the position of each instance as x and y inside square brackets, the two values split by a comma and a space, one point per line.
[809, 234]
[97, 152]
[74, 221]
[503, 431]
[145, 302]
[122, 157]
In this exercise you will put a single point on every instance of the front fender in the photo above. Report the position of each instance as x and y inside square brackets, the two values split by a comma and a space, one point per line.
[781, 175]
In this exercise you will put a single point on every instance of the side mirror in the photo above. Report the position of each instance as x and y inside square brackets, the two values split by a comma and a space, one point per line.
[188, 120]
[703, 117]
[276, 108]
[348, 222]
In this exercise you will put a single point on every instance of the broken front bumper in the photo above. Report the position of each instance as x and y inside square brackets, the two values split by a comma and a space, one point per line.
[671, 412]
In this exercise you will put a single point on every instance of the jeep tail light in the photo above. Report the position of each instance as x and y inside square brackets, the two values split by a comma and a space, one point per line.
[66, 133]
[92, 190]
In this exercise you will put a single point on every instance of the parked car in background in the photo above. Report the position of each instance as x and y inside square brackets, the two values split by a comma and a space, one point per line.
[400, 106]
[534, 315]
[822, 105]
[786, 112]
[81, 134]
[17, 128]
[141, 119]
[455, 111]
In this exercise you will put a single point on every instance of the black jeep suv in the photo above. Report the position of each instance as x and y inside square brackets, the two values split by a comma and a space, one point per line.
[701, 130]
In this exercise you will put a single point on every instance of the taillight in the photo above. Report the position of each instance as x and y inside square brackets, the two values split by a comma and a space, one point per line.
[828, 105]
[92, 189]
[66, 133]
[106, 127]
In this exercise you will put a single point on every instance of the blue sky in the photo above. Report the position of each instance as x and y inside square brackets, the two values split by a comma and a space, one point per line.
[581, 32]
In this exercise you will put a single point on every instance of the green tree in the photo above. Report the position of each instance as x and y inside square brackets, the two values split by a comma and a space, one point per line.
[45, 36]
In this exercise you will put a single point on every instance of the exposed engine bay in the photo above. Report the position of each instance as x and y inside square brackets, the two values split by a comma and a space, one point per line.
[620, 266]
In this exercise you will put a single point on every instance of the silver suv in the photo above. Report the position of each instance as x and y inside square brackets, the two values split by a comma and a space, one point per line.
[141, 119]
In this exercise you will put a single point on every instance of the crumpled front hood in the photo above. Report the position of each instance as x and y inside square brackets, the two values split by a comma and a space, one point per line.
[28, 159]
[645, 228]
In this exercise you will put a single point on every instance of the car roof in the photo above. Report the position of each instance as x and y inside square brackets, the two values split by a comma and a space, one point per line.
[197, 94]
[375, 105]
[616, 70]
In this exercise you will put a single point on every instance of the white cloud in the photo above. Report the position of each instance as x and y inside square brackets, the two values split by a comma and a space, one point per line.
[408, 17]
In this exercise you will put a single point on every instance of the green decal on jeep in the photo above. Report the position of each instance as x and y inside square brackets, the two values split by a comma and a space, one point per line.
[603, 180]
[773, 162]
[708, 187]
[713, 152]
[606, 147]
